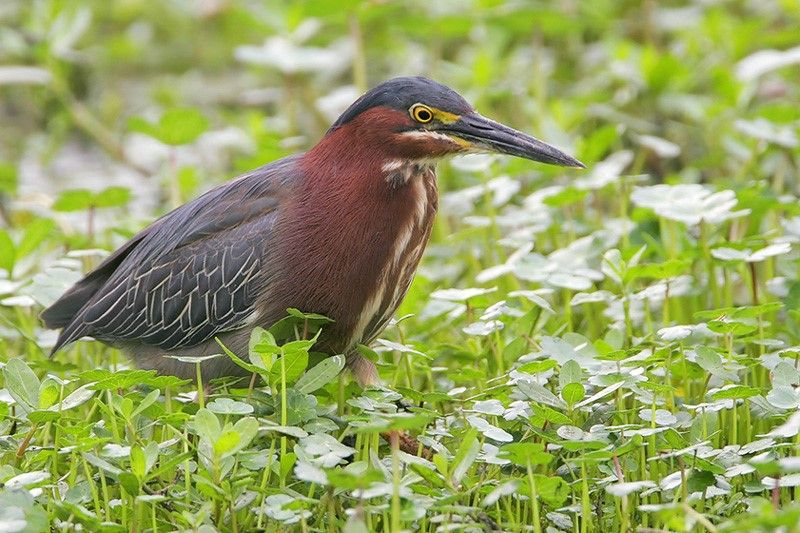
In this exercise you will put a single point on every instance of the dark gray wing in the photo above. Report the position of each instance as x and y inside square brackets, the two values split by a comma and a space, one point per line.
[191, 275]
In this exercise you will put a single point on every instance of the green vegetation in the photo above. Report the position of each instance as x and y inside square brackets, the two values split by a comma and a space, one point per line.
[609, 350]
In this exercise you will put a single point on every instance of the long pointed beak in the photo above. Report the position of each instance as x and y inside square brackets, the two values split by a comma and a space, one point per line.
[486, 134]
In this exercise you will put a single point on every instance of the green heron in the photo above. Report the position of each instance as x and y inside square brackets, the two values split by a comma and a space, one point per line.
[338, 230]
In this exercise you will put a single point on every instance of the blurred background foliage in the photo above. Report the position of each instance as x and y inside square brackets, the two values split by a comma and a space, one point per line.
[690, 87]
[113, 112]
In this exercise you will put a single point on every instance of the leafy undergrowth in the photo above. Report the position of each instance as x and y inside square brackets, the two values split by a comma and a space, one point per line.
[609, 383]
[615, 349]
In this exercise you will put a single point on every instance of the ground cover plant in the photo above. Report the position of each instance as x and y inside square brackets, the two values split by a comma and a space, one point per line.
[609, 350]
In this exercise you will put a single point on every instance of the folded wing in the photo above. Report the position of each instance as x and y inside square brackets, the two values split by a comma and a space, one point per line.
[191, 275]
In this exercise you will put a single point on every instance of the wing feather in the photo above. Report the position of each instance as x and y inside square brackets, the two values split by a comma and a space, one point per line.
[191, 275]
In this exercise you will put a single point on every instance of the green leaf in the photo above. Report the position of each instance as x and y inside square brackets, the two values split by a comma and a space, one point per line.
[151, 452]
[303, 345]
[573, 393]
[321, 374]
[130, 483]
[123, 405]
[554, 491]
[314, 317]
[8, 177]
[175, 127]
[247, 366]
[262, 342]
[181, 126]
[700, 480]
[35, 233]
[49, 391]
[736, 392]
[629, 445]
[138, 462]
[102, 464]
[287, 464]
[547, 414]
[703, 464]
[146, 402]
[731, 327]
[468, 451]
[515, 349]
[124, 379]
[291, 365]
[227, 406]
[710, 361]
[263, 350]
[525, 453]
[433, 478]
[420, 396]
[247, 428]
[226, 442]
[22, 384]
[408, 421]
[667, 269]
[734, 313]
[112, 197]
[537, 367]
[42, 416]
[348, 479]
[582, 445]
[570, 373]
[77, 397]
[73, 200]
[539, 394]
[569, 195]
[7, 252]
[206, 424]
[613, 266]
[300, 407]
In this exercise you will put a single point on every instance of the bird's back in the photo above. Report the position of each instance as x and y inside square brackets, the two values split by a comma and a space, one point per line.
[188, 276]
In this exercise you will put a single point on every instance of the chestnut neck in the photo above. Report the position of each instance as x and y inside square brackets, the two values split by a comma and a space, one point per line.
[359, 149]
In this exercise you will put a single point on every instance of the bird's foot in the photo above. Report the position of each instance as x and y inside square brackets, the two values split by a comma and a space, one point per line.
[405, 442]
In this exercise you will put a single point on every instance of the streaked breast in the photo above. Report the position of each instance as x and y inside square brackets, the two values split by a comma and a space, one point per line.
[406, 252]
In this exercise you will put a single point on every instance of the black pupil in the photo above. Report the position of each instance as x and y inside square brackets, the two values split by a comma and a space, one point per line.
[423, 115]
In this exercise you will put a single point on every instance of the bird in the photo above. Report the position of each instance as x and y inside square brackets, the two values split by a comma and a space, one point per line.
[338, 230]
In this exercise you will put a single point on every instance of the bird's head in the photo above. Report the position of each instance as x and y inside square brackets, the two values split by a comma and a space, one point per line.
[417, 118]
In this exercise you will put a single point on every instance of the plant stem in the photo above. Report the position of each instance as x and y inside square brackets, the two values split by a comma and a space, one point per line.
[396, 522]
[284, 414]
[201, 399]
[537, 523]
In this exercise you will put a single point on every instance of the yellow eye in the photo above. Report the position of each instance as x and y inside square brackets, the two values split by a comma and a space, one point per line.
[421, 113]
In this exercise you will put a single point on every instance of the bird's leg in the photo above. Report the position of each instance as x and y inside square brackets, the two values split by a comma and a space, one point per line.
[366, 374]
[207, 390]
[362, 369]
[407, 443]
